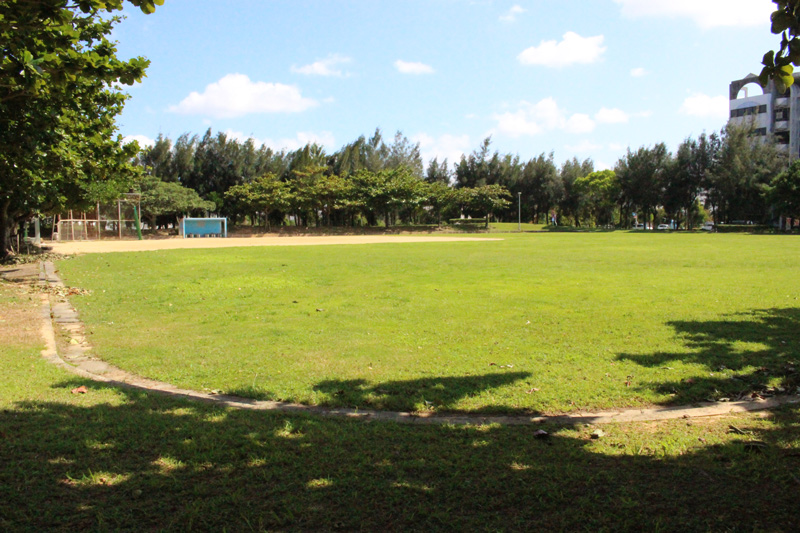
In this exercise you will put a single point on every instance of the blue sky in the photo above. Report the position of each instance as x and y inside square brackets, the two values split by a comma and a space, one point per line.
[585, 78]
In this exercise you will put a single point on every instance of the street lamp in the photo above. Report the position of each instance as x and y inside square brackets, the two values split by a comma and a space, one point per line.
[519, 212]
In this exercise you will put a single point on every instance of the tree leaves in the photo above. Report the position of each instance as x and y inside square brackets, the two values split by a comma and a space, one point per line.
[58, 142]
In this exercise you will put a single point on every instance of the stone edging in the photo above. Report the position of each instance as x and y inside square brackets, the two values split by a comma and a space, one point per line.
[75, 359]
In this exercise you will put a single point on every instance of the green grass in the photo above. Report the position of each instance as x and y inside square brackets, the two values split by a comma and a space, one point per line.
[533, 323]
[116, 459]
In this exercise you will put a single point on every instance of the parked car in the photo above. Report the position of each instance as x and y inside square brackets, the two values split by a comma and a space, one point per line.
[638, 226]
[707, 226]
[663, 226]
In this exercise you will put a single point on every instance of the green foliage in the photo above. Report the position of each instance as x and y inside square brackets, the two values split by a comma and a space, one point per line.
[778, 66]
[598, 193]
[641, 176]
[569, 200]
[540, 185]
[740, 175]
[687, 174]
[370, 182]
[784, 191]
[168, 200]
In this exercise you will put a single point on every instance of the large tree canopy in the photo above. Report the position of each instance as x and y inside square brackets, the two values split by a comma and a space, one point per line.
[58, 141]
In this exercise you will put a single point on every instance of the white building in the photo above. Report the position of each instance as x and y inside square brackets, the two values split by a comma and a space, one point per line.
[773, 115]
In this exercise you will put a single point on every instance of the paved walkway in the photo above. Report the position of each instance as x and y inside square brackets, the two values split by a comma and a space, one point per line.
[56, 310]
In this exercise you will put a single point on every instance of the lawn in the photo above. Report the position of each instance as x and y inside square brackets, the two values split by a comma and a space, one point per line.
[117, 459]
[535, 323]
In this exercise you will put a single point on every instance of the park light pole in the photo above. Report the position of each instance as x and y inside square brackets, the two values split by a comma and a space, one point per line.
[519, 212]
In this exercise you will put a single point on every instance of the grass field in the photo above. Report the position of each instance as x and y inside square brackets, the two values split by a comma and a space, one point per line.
[536, 323]
[114, 459]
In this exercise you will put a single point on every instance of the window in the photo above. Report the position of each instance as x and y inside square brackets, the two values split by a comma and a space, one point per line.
[745, 111]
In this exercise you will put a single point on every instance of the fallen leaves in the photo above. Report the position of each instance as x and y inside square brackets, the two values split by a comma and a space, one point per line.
[80, 390]
[61, 291]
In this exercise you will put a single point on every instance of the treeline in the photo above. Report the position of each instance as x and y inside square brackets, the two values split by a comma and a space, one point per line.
[371, 182]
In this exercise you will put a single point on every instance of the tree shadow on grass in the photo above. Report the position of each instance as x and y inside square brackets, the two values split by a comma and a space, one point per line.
[441, 393]
[435, 393]
[745, 353]
[156, 463]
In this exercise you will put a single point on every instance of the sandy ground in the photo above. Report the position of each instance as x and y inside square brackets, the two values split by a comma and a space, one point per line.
[94, 247]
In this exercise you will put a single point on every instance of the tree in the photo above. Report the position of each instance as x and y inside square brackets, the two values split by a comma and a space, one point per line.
[260, 197]
[438, 172]
[540, 186]
[162, 201]
[687, 174]
[641, 177]
[156, 160]
[387, 191]
[784, 191]
[598, 193]
[404, 154]
[487, 199]
[57, 107]
[742, 170]
[571, 170]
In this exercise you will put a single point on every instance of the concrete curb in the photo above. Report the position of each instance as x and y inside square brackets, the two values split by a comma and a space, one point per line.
[75, 359]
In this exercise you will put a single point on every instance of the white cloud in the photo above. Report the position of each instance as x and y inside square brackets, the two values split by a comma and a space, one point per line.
[450, 147]
[511, 14]
[410, 67]
[704, 13]
[235, 95]
[638, 72]
[143, 140]
[324, 67]
[579, 123]
[325, 139]
[702, 105]
[545, 115]
[611, 116]
[571, 50]
[583, 147]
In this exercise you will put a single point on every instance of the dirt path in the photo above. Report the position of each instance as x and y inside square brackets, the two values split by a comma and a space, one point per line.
[94, 247]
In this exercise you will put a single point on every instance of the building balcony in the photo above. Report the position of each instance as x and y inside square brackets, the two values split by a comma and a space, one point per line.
[781, 102]
[781, 126]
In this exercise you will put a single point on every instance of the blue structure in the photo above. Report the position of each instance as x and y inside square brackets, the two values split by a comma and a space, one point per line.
[204, 227]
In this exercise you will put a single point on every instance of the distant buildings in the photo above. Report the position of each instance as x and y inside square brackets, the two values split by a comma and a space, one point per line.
[773, 115]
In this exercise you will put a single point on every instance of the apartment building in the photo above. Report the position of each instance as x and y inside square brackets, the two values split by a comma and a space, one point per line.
[773, 114]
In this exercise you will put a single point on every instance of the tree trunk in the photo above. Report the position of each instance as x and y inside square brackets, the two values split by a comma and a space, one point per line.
[5, 229]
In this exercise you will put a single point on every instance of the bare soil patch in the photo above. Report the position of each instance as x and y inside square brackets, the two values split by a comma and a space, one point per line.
[92, 247]
[19, 309]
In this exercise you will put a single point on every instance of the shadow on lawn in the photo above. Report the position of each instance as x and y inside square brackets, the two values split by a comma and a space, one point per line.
[155, 463]
[742, 354]
[441, 393]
